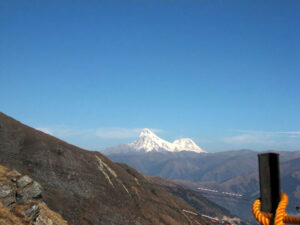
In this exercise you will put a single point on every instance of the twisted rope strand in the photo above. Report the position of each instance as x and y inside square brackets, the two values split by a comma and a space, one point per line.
[281, 217]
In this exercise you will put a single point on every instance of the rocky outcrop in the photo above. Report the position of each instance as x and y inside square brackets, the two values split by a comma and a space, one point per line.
[21, 201]
[32, 190]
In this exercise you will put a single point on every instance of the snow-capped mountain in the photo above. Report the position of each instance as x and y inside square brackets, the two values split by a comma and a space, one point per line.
[149, 142]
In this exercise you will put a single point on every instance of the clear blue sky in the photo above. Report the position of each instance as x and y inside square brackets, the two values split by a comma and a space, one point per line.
[225, 73]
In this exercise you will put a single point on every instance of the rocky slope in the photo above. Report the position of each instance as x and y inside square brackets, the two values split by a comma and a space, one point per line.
[21, 201]
[85, 187]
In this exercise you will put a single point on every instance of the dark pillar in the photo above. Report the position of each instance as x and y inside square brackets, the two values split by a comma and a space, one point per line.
[269, 180]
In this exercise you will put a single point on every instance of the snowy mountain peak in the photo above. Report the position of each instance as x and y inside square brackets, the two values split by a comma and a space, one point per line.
[148, 141]
[187, 144]
[146, 132]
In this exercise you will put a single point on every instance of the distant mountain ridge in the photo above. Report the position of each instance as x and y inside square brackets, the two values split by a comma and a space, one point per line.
[148, 141]
[231, 171]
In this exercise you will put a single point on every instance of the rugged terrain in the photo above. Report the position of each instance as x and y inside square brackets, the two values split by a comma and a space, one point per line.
[21, 201]
[85, 187]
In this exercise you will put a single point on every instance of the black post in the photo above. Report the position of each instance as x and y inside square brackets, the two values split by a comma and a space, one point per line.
[269, 180]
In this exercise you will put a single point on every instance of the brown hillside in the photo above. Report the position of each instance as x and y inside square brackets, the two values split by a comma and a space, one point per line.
[85, 187]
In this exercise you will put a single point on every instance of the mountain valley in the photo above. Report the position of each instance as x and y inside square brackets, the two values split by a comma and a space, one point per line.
[232, 172]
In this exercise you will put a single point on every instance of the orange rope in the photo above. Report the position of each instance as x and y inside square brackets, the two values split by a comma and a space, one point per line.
[281, 217]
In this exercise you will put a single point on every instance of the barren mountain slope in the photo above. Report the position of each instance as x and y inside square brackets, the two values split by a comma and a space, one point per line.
[85, 187]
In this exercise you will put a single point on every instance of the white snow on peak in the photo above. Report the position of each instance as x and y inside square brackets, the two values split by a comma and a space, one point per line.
[147, 132]
[186, 144]
[148, 141]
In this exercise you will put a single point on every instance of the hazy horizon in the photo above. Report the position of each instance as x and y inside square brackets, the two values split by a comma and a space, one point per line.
[94, 73]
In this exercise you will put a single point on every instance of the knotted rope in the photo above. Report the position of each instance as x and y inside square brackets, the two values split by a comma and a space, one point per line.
[281, 216]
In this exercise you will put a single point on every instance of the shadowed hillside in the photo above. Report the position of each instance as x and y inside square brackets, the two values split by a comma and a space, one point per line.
[86, 187]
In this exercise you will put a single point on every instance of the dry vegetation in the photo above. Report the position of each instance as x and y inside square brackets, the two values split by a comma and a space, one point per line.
[46, 214]
[12, 215]
[8, 218]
